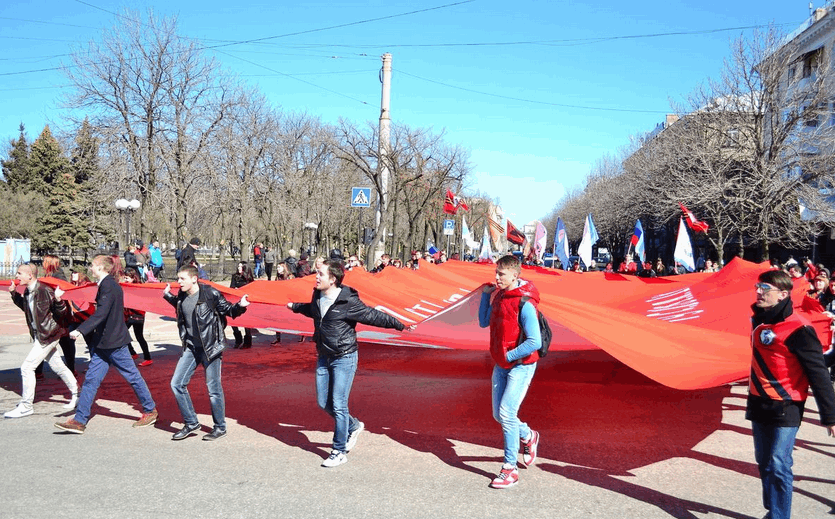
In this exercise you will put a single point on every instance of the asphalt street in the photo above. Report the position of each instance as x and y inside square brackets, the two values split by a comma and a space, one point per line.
[614, 443]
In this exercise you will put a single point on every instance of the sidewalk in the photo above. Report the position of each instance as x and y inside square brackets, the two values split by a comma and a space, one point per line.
[614, 444]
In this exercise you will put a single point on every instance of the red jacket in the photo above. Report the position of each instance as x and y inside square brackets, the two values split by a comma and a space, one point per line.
[776, 373]
[505, 333]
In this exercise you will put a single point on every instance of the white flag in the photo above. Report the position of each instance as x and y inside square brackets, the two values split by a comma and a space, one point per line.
[466, 235]
[590, 237]
[684, 249]
[486, 251]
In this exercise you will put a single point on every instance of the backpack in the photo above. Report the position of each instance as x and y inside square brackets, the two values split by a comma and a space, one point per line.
[544, 328]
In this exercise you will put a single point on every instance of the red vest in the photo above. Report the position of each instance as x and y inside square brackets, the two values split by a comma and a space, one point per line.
[505, 332]
[775, 371]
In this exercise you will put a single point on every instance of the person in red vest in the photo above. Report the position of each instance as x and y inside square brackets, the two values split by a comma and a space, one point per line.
[503, 309]
[787, 359]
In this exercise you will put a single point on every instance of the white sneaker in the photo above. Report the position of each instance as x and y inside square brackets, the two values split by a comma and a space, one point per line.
[19, 412]
[352, 437]
[335, 459]
[72, 403]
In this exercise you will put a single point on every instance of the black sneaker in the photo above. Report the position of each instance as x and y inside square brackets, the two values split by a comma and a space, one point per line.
[214, 435]
[186, 431]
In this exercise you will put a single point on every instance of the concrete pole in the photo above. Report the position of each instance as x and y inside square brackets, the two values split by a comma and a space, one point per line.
[384, 143]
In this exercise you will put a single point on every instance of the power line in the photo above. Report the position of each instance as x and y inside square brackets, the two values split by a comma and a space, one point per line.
[533, 101]
[562, 42]
[47, 23]
[314, 85]
[349, 24]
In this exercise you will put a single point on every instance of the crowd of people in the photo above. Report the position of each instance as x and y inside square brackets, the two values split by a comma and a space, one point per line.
[787, 355]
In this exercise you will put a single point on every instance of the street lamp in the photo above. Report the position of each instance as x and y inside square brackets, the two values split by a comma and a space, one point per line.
[127, 207]
[310, 226]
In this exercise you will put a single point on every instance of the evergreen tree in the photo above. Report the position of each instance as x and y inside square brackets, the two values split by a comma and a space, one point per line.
[85, 156]
[47, 162]
[16, 170]
[62, 222]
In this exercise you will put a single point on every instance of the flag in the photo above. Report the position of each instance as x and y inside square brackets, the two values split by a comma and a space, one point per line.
[638, 242]
[684, 249]
[514, 235]
[453, 202]
[449, 203]
[692, 222]
[561, 244]
[467, 236]
[486, 254]
[494, 219]
[590, 237]
[539, 240]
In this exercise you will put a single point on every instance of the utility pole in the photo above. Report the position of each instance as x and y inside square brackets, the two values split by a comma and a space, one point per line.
[384, 143]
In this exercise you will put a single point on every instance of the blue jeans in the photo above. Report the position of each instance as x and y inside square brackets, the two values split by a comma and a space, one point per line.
[509, 389]
[257, 271]
[773, 452]
[182, 376]
[334, 377]
[100, 362]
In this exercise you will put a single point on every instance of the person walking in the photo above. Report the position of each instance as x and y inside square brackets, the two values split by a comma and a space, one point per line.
[509, 309]
[241, 278]
[787, 359]
[336, 310]
[109, 339]
[201, 313]
[269, 262]
[46, 315]
[136, 319]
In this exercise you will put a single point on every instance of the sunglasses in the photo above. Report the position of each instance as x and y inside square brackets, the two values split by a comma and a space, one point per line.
[764, 287]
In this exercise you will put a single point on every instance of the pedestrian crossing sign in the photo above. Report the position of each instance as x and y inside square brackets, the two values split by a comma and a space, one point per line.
[360, 197]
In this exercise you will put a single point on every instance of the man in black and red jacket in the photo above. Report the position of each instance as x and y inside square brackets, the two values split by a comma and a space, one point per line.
[787, 359]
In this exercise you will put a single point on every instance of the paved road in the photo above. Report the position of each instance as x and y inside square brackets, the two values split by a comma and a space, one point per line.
[614, 444]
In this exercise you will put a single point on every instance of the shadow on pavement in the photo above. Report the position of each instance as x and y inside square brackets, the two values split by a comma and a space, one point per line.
[598, 419]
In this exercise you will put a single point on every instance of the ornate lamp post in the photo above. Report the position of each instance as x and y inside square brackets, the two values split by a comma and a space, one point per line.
[310, 226]
[127, 207]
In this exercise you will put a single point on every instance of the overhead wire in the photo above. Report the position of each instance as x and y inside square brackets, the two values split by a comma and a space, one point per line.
[266, 41]
[533, 101]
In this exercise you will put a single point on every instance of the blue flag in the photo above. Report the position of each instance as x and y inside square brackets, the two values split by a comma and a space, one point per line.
[561, 244]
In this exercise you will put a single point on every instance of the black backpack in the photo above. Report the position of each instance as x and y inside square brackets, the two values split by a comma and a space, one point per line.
[544, 328]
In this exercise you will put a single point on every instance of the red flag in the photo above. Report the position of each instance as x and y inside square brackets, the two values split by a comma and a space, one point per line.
[514, 235]
[449, 203]
[692, 222]
[460, 202]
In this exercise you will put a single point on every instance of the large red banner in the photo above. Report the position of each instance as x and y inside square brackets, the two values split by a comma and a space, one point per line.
[686, 332]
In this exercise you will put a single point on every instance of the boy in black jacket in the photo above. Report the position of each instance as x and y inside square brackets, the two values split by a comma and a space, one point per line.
[336, 310]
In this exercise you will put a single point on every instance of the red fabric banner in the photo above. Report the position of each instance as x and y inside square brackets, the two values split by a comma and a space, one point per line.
[686, 332]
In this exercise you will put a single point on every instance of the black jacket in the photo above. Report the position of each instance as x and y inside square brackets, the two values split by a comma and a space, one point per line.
[806, 346]
[210, 318]
[49, 322]
[335, 333]
[186, 257]
[106, 326]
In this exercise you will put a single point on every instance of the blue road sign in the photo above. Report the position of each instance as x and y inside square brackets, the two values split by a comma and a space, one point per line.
[449, 227]
[360, 197]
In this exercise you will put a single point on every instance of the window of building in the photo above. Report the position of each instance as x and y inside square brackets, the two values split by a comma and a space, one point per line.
[732, 138]
[810, 63]
[791, 74]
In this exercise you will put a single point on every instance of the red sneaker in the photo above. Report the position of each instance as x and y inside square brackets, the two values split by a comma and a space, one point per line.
[508, 477]
[529, 449]
[146, 362]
